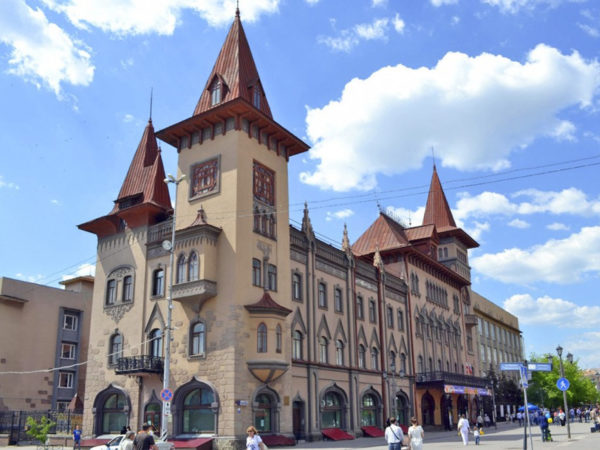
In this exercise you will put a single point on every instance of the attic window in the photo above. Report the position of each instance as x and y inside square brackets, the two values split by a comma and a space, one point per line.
[256, 97]
[215, 92]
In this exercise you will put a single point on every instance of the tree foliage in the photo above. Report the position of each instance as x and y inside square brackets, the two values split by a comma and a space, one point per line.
[543, 389]
[39, 429]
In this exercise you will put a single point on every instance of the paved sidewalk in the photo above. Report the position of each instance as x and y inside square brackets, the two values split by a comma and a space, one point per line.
[504, 437]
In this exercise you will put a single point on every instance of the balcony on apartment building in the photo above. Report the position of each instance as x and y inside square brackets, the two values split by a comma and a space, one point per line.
[142, 365]
[438, 378]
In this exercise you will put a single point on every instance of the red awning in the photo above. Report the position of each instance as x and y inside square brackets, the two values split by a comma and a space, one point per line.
[273, 440]
[335, 434]
[198, 444]
[372, 431]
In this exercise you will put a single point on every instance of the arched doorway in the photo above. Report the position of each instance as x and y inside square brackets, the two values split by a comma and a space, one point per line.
[333, 409]
[196, 406]
[298, 419]
[370, 407]
[447, 414]
[152, 414]
[462, 405]
[402, 408]
[265, 409]
[427, 409]
[112, 408]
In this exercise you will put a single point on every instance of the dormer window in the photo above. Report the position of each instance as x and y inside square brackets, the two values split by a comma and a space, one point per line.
[215, 92]
[256, 97]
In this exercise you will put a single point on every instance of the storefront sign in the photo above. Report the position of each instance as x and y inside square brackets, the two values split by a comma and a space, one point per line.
[453, 389]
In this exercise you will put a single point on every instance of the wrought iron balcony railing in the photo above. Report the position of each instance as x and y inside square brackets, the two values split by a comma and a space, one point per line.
[140, 365]
[450, 378]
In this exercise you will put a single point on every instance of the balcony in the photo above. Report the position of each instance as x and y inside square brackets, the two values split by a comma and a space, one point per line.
[439, 377]
[143, 365]
[195, 292]
[470, 320]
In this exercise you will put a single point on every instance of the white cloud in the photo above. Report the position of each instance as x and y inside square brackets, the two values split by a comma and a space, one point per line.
[556, 261]
[589, 30]
[42, 53]
[550, 311]
[127, 63]
[585, 347]
[376, 3]
[83, 270]
[30, 278]
[55, 202]
[474, 110]
[514, 6]
[557, 226]
[518, 223]
[128, 118]
[124, 17]
[342, 214]
[8, 184]
[438, 3]
[351, 37]
[312, 2]
[477, 229]
[407, 216]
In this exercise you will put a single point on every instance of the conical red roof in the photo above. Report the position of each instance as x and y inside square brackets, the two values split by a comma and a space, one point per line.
[437, 211]
[384, 234]
[144, 182]
[236, 70]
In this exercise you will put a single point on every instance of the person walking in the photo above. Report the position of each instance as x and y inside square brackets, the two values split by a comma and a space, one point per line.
[477, 434]
[127, 442]
[464, 429]
[415, 435]
[253, 441]
[77, 438]
[394, 435]
[144, 440]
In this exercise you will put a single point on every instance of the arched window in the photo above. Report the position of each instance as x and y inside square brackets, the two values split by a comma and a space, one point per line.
[180, 269]
[152, 414]
[332, 406]
[297, 345]
[193, 267]
[261, 341]
[263, 413]
[403, 363]
[360, 312]
[111, 292]
[430, 365]
[374, 358]
[114, 416]
[323, 350]
[368, 413]
[198, 339]
[115, 349]
[256, 272]
[420, 364]
[439, 365]
[337, 297]
[361, 357]
[339, 352]
[158, 283]
[278, 338]
[393, 361]
[198, 415]
[127, 289]
[156, 343]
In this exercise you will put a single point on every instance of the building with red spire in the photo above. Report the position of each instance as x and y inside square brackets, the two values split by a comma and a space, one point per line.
[270, 325]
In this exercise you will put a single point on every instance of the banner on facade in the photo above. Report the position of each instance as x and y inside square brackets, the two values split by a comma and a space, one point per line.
[454, 389]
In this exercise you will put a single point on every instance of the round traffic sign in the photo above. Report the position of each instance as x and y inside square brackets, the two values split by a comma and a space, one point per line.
[166, 395]
[562, 384]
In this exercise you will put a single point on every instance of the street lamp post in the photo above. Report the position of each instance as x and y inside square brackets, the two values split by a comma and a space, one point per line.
[171, 248]
[559, 350]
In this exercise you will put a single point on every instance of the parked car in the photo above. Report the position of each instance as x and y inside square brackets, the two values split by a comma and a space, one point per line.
[112, 444]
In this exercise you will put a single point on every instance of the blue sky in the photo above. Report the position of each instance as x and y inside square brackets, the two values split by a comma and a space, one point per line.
[505, 92]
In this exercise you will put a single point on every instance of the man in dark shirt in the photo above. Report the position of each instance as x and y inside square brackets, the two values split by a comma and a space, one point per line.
[143, 440]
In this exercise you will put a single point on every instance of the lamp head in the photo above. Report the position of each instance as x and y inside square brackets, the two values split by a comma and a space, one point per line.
[559, 350]
[570, 357]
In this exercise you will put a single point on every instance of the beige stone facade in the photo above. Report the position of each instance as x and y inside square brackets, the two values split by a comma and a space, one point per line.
[43, 327]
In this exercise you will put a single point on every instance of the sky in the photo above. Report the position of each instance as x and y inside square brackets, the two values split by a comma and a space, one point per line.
[501, 95]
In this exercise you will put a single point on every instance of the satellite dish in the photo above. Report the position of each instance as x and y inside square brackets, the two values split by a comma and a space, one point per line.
[166, 244]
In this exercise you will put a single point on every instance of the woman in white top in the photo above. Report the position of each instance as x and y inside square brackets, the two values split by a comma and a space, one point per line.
[127, 441]
[253, 441]
[415, 435]
[464, 428]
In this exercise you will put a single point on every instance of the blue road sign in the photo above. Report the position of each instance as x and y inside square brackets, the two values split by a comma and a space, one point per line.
[524, 372]
[540, 367]
[510, 366]
[166, 395]
[563, 384]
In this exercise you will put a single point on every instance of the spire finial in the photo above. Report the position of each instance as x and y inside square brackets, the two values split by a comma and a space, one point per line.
[433, 156]
[237, 9]
[151, 92]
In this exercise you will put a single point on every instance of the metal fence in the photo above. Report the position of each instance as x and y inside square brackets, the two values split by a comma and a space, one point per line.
[14, 423]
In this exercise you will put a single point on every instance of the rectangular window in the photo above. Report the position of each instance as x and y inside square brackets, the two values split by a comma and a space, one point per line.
[372, 313]
[322, 295]
[272, 277]
[337, 293]
[127, 289]
[297, 287]
[62, 406]
[256, 272]
[68, 351]
[390, 317]
[158, 283]
[70, 322]
[111, 292]
[65, 380]
[400, 320]
[360, 313]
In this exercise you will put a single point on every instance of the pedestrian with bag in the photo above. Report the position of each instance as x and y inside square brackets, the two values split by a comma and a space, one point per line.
[415, 435]
[394, 435]
[253, 441]
[464, 429]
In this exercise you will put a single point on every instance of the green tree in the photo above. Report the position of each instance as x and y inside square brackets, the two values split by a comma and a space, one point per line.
[581, 390]
[39, 429]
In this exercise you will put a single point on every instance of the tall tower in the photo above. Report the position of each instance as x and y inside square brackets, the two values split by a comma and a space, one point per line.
[235, 158]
